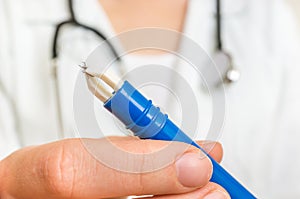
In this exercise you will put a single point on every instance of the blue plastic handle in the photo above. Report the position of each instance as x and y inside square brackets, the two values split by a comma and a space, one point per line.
[148, 122]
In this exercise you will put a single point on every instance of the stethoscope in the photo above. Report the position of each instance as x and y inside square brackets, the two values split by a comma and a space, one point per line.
[228, 72]
[222, 58]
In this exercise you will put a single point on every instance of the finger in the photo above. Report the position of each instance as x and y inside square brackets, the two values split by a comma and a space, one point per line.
[210, 191]
[214, 149]
[106, 168]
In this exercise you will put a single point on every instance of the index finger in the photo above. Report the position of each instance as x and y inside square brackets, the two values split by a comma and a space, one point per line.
[66, 169]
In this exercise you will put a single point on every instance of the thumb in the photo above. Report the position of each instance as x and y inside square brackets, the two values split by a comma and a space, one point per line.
[106, 168]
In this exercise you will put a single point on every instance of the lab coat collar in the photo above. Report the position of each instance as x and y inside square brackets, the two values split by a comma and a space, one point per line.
[231, 7]
[228, 7]
[91, 13]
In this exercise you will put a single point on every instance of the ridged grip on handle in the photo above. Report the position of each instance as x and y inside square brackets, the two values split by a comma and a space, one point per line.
[148, 122]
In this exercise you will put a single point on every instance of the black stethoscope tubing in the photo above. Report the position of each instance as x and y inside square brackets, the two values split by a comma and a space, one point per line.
[219, 26]
[74, 22]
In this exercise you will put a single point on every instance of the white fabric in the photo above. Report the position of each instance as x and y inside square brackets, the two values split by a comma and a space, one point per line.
[262, 127]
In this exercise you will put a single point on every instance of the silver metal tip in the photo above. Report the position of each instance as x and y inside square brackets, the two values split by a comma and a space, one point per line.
[83, 66]
[88, 74]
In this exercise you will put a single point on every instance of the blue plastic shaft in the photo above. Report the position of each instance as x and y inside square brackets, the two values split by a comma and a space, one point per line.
[148, 122]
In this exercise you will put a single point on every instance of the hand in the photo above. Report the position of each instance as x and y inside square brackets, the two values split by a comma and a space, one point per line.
[68, 169]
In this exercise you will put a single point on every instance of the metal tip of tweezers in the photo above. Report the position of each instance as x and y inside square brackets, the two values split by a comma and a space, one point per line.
[84, 68]
[96, 83]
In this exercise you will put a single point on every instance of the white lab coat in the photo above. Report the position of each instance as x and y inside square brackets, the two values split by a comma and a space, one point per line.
[262, 127]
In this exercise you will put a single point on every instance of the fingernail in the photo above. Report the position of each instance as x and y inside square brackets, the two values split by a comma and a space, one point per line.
[193, 170]
[208, 146]
[217, 195]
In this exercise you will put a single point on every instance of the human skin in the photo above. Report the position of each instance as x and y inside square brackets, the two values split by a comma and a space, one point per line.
[128, 15]
[66, 169]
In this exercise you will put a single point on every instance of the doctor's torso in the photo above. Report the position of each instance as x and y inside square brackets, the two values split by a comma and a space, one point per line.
[261, 128]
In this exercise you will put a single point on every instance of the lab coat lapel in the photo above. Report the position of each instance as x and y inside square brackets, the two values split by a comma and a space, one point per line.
[90, 12]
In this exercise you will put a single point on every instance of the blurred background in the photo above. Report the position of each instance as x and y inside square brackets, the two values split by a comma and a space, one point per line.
[262, 129]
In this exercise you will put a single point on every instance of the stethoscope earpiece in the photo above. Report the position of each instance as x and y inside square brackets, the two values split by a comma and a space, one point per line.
[227, 72]
[233, 75]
